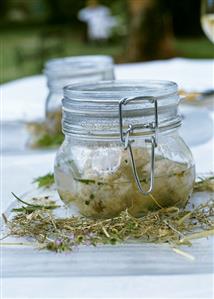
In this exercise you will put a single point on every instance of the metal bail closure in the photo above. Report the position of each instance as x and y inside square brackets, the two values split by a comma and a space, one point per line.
[125, 139]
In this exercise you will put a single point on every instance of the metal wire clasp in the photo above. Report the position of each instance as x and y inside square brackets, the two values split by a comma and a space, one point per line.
[125, 138]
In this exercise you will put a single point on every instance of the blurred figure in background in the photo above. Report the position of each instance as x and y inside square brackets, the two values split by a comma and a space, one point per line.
[99, 21]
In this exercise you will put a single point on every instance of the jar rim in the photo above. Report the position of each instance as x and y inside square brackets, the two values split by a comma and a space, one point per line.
[99, 91]
[93, 108]
[77, 64]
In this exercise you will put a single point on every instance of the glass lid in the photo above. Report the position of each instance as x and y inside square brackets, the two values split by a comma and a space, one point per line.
[96, 105]
[114, 90]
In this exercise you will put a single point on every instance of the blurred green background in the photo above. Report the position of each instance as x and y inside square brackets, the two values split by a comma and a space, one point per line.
[32, 31]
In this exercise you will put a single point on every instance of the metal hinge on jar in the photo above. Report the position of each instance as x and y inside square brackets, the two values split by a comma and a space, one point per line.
[125, 138]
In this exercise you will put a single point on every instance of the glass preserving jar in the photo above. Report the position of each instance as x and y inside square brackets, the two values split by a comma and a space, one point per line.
[122, 149]
[62, 71]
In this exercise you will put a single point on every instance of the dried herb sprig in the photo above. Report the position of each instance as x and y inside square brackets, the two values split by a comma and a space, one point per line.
[30, 207]
[169, 225]
[49, 140]
[45, 181]
[42, 136]
[204, 183]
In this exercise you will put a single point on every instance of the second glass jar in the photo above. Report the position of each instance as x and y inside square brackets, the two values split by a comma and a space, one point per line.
[63, 71]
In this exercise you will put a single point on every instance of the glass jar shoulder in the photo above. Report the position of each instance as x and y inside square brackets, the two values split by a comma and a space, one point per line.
[170, 146]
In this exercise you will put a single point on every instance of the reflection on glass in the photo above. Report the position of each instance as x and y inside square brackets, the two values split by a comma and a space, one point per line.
[207, 18]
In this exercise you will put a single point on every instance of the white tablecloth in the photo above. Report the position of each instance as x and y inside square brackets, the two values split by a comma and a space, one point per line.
[176, 286]
[24, 100]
